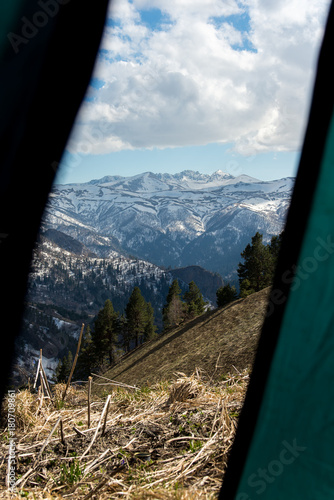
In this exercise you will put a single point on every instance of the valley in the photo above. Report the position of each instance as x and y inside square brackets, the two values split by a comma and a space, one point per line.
[101, 239]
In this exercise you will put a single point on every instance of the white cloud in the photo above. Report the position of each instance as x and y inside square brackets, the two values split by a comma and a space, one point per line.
[189, 82]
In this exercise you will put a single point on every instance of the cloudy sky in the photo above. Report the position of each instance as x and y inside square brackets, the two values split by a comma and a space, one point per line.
[198, 84]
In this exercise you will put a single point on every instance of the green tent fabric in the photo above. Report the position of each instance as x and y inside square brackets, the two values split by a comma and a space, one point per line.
[284, 447]
[285, 439]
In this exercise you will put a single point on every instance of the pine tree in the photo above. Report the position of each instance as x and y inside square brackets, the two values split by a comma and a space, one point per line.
[226, 294]
[274, 248]
[150, 327]
[63, 368]
[174, 311]
[105, 333]
[194, 300]
[124, 333]
[257, 271]
[136, 315]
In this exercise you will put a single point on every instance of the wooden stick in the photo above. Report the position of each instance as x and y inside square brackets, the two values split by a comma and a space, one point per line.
[97, 428]
[46, 442]
[91, 493]
[43, 381]
[74, 361]
[88, 402]
[40, 371]
[77, 431]
[37, 373]
[114, 382]
[96, 462]
[105, 419]
[46, 382]
[25, 476]
[62, 438]
[40, 395]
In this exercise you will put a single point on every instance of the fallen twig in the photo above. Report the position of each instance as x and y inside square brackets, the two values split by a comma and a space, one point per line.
[114, 382]
[97, 488]
[97, 428]
[74, 361]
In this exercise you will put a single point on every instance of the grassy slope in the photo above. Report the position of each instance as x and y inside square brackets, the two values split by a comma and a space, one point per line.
[186, 428]
[213, 342]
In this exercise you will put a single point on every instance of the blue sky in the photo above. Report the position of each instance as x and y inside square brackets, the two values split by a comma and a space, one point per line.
[201, 85]
[205, 159]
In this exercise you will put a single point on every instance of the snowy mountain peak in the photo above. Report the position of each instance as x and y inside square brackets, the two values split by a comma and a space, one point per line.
[182, 219]
[107, 179]
[150, 182]
[219, 173]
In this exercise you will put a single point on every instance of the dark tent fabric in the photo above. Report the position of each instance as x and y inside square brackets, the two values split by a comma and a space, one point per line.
[285, 438]
[47, 53]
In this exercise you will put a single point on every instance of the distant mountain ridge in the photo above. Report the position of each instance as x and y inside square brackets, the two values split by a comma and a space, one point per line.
[174, 220]
[69, 284]
[187, 179]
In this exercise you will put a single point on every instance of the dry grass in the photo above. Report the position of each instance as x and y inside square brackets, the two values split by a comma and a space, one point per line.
[26, 405]
[167, 441]
[229, 335]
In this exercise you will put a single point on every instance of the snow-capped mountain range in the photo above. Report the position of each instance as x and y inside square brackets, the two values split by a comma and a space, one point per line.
[101, 238]
[171, 220]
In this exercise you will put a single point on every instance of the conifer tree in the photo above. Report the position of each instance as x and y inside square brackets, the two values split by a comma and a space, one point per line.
[136, 315]
[274, 248]
[150, 327]
[257, 270]
[105, 333]
[226, 294]
[174, 311]
[124, 333]
[63, 368]
[194, 300]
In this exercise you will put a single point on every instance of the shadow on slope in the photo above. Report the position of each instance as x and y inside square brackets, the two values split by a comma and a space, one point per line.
[217, 342]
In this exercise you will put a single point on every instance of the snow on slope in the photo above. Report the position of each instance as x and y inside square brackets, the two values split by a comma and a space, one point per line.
[180, 219]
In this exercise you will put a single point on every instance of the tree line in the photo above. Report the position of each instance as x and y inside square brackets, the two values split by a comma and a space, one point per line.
[255, 272]
[114, 334]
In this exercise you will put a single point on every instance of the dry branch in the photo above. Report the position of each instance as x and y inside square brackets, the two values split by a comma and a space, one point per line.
[77, 431]
[62, 437]
[46, 381]
[47, 441]
[88, 399]
[97, 488]
[114, 382]
[185, 443]
[37, 373]
[96, 462]
[97, 428]
[74, 361]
